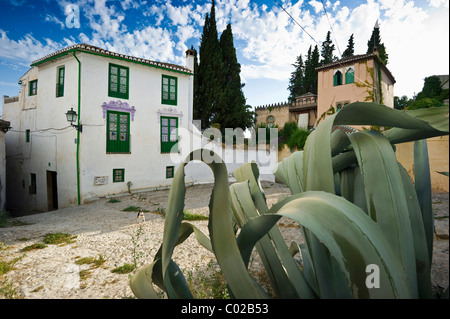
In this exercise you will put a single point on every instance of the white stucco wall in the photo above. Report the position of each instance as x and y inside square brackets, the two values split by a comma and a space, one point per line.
[52, 145]
[145, 166]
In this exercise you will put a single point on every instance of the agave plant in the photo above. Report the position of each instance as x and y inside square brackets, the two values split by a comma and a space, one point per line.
[356, 205]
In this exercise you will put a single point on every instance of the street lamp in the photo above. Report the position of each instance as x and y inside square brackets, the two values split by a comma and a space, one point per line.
[72, 117]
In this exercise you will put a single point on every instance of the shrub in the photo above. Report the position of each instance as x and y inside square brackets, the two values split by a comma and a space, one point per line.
[298, 139]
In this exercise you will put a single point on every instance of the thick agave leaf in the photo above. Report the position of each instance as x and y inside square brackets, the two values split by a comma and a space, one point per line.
[142, 282]
[272, 248]
[385, 195]
[406, 125]
[284, 274]
[290, 172]
[423, 263]
[221, 230]
[243, 208]
[422, 183]
[436, 118]
[352, 238]
[222, 239]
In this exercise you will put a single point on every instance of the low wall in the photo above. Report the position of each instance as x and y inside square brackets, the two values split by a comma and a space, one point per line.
[438, 156]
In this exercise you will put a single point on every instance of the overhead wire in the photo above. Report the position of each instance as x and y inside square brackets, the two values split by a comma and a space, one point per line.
[329, 22]
[297, 22]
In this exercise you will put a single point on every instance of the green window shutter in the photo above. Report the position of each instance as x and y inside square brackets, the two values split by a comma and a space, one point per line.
[349, 76]
[337, 79]
[118, 83]
[118, 132]
[32, 187]
[169, 171]
[169, 134]
[118, 175]
[33, 87]
[169, 88]
[60, 84]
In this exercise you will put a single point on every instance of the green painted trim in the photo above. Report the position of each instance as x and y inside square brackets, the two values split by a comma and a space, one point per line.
[168, 101]
[78, 131]
[117, 94]
[30, 88]
[112, 57]
[53, 57]
[122, 175]
[61, 80]
[166, 147]
[117, 146]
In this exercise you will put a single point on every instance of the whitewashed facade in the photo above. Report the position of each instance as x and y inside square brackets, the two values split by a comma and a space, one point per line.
[131, 111]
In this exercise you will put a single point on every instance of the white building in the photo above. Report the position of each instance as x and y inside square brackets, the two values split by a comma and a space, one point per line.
[130, 112]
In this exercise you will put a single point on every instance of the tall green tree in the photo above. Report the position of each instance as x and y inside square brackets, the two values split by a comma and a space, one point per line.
[375, 41]
[311, 63]
[327, 50]
[235, 112]
[295, 87]
[210, 76]
[195, 93]
[350, 50]
[431, 88]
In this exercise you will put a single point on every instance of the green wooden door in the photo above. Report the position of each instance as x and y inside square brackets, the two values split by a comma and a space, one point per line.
[169, 134]
[118, 132]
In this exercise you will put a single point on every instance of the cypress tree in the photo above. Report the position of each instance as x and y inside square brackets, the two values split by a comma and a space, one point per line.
[195, 93]
[210, 75]
[235, 112]
[375, 41]
[311, 63]
[327, 50]
[349, 51]
[296, 85]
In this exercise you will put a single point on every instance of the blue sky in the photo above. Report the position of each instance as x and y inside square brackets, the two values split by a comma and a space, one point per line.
[267, 40]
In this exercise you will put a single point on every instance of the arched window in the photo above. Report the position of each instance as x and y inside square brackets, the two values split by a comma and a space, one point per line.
[337, 78]
[338, 107]
[270, 121]
[349, 75]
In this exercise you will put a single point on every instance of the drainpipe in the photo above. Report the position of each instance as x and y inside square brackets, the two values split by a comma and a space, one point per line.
[78, 131]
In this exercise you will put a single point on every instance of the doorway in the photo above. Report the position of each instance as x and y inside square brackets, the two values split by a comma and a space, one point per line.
[52, 191]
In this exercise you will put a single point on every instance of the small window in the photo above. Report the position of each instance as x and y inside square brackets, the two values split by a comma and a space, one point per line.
[60, 81]
[169, 90]
[349, 76]
[338, 107]
[337, 78]
[27, 136]
[118, 81]
[169, 134]
[169, 171]
[118, 175]
[32, 188]
[33, 87]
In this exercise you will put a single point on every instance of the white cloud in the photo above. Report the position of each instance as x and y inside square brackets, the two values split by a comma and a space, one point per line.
[317, 5]
[26, 49]
[438, 3]
[50, 18]
[266, 37]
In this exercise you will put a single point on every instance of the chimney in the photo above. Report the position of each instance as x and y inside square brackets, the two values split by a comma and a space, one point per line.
[190, 55]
